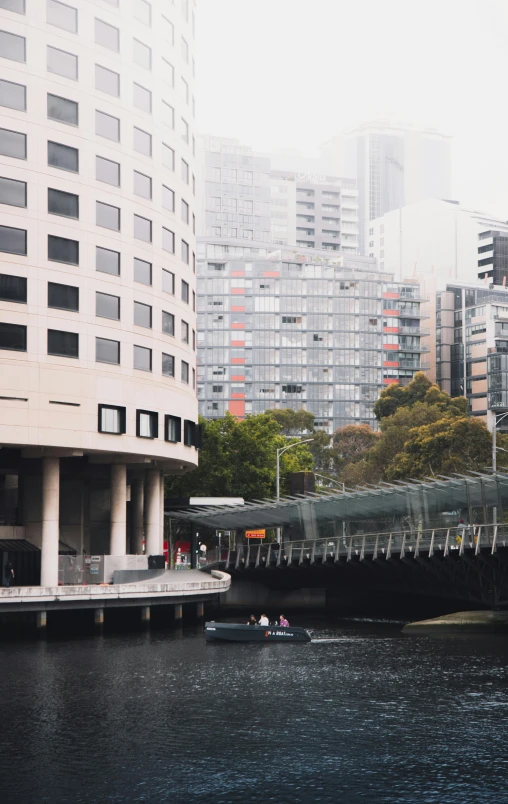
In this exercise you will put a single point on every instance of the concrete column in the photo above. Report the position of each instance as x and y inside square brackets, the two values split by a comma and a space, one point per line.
[118, 538]
[162, 514]
[41, 620]
[145, 614]
[99, 616]
[152, 504]
[178, 613]
[138, 499]
[50, 521]
[200, 610]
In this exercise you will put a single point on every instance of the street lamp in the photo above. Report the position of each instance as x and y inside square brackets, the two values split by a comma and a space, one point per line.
[279, 453]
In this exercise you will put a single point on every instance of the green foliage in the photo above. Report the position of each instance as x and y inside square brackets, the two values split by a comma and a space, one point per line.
[292, 422]
[420, 389]
[238, 459]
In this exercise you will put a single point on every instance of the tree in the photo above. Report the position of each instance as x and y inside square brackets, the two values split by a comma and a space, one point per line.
[292, 422]
[238, 459]
[420, 389]
[351, 443]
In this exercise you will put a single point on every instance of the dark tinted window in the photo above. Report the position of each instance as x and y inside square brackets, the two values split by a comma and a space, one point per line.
[168, 323]
[12, 288]
[142, 358]
[12, 241]
[60, 249]
[107, 171]
[108, 216]
[185, 372]
[142, 315]
[63, 110]
[107, 261]
[12, 192]
[168, 367]
[107, 351]
[142, 271]
[12, 143]
[107, 306]
[63, 297]
[12, 336]
[185, 292]
[12, 46]
[13, 95]
[63, 156]
[60, 203]
[65, 344]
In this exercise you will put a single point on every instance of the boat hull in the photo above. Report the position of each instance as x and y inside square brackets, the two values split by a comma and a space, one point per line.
[235, 632]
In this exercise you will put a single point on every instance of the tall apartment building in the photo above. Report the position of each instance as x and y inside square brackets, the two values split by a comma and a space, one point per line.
[393, 165]
[301, 329]
[310, 210]
[97, 285]
[493, 254]
[433, 237]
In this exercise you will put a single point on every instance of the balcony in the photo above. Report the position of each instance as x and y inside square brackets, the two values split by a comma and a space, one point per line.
[414, 331]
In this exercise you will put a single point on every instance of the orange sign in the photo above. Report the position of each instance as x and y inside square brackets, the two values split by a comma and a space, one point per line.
[255, 534]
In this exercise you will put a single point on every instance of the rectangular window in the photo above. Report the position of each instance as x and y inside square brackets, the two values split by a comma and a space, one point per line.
[168, 282]
[107, 261]
[142, 98]
[107, 35]
[63, 110]
[168, 72]
[112, 419]
[142, 229]
[60, 249]
[147, 424]
[142, 271]
[60, 203]
[168, 157]
[142, 185]
[62, 16]
[63, 344]
[184, 89]
[185, 50]
[185, 171]
[13, 337]
[185, 372]
[173, 426]
[107, 171]
[168, 323]
[168, 115]
[185, 211]
[168, 240]
[107, 216]
[12, 46]
[143, 11]
[12, 241]
[63, 297]
[107, 351]
[107, 126]
[142, 142]
[185, 292]
[13, 96]
[142, 315]
[142, 54]
[18, 6]
[185, 252]
[185, 131]
[63, 157]
[107, 81]
[62, 63]
[168, 365]
[142, 358]
[107, 306]
[168, 198]
[13, 288]
[185, 332]
[12, 192]
[168, 30]
[12, 143]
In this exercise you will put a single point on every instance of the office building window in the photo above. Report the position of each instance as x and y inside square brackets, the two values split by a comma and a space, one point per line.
[112, 419]
[185, 131]
[107, 306]
[185, 252]
[173, 429]
[168, 198]
[65, 204]
[63, 157]
[60, 249]
[142, 54]
[143, 11]
[62, 16]
[185, 171]
[142, 271]
[142, 142]
[142, 229]
[168, 30]
[147, 424]
[63, 344]
[142, 185]
[107, 261]
[168, 72]
[142, 358]
[107, 81]
[12, 337]
[168, 157]
[63, 110]
[12, 143]
[168, 114]
[185, 372]
[168, 365]
[62, 63]
[12, 240]
[12, 192]
[168, 282]
[168, 240]
[107, 171]
[13, 96]
[107, 35]
[13, 288]
[185, 292]
[107, 126]
[142, 98]
[107, 351]
[63, 297]
[142, 315]
[12, 47]
[168, 323]
[185, 332]
[18, 6]
[185, 211]
[107, 216]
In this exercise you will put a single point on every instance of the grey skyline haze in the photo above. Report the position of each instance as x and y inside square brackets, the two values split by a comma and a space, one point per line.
[281, 74]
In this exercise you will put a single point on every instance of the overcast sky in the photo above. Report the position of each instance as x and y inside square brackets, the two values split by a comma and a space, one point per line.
[292, 73]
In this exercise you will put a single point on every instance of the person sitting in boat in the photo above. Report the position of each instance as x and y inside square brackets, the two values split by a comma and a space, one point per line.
[283, 621]
[263, 620]
[252, 620]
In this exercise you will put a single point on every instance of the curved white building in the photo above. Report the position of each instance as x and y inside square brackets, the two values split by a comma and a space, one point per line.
[97, 270]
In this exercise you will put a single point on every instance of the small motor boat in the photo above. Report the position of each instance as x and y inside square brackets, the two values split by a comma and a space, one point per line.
[236, 632]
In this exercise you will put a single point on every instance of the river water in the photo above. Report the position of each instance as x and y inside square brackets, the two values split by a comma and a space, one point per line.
[156, 717]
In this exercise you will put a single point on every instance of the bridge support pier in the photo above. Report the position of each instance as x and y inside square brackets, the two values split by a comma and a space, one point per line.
[99, 617]
[178, 614]
[200, 610]
[145, 614]
[41, 620]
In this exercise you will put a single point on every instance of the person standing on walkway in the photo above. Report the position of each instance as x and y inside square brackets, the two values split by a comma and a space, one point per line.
[8, 574]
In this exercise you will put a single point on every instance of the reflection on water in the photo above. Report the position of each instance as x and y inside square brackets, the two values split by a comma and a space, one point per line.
[368, 716]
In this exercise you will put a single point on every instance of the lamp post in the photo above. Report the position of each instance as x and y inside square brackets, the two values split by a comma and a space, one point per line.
[279, 453]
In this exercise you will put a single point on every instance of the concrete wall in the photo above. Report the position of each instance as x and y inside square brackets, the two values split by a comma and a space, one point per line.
[255, 596]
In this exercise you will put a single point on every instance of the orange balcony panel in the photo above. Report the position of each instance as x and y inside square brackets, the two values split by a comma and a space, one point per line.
[391, 346]
[236, 309]
[392, 363]
[391, 312]
[237, 409]
[237, 343]
[238, 361]
[237, 325]
[391, 329]
[390, 295]
[271, 273]
[237, 377]
[390, 381]
[237, 273]
[237, 396]
[238, 291]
